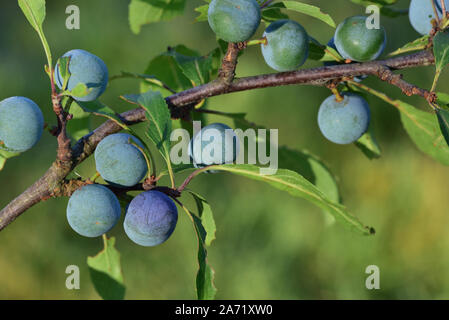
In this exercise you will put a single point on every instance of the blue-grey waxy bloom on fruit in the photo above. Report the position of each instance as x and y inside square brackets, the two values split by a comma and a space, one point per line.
[87, 68]
[421, 14]
[346, 121]
[287, 45]
[214, 144]
[93, 210]
[21, 124]
[119, 161]
[234, 20]
[151, 218]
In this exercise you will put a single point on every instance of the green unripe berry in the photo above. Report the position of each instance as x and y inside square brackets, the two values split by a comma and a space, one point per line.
[287, 45]
[234, 20]
[356, 42]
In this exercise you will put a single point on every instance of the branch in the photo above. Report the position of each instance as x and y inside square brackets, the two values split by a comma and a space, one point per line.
[315, 76]
[229, 63]
[54, 178]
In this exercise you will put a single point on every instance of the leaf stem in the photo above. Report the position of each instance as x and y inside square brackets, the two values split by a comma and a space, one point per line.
[435, 80]
[95, 177]
[105, 240]
[435, 11]
[170, 173]
[372, 91]
[257, 41]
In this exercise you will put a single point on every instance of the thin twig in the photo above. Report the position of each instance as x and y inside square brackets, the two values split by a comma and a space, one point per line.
[191, 176]
[435, 11]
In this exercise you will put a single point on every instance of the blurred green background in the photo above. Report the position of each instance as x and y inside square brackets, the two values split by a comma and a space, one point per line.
[269, 245]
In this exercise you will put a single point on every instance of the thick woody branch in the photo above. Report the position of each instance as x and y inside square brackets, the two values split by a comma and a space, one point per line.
[315, 76]
[54, 178]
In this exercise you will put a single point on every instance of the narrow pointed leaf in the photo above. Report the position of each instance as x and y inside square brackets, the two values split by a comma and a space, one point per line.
[34, 11]
[443, 120]
[441, 49]
[206, 216]
[205, 277]
[423, 128]
[418, 44]
[307, 9]
[158, 115]
[297, 186]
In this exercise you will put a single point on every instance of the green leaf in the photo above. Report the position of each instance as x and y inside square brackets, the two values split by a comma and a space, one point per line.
[64, 72]
[5, 155]
[143, 12]
[307, 9]
[80, 125]
[321, 52]
[79, 91]
[443, 114]
[203, 11]
[424, 130]
[443, 120]
[441, 50]
[197, 69]
[368, 144]
[273, 14]
[205, 277]
[158, 114]
[106, 272]
[297, 186]
[418, 44]
[165, 68]
[99, 109]
[311, 168]
[34, 11]
[206, 216]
